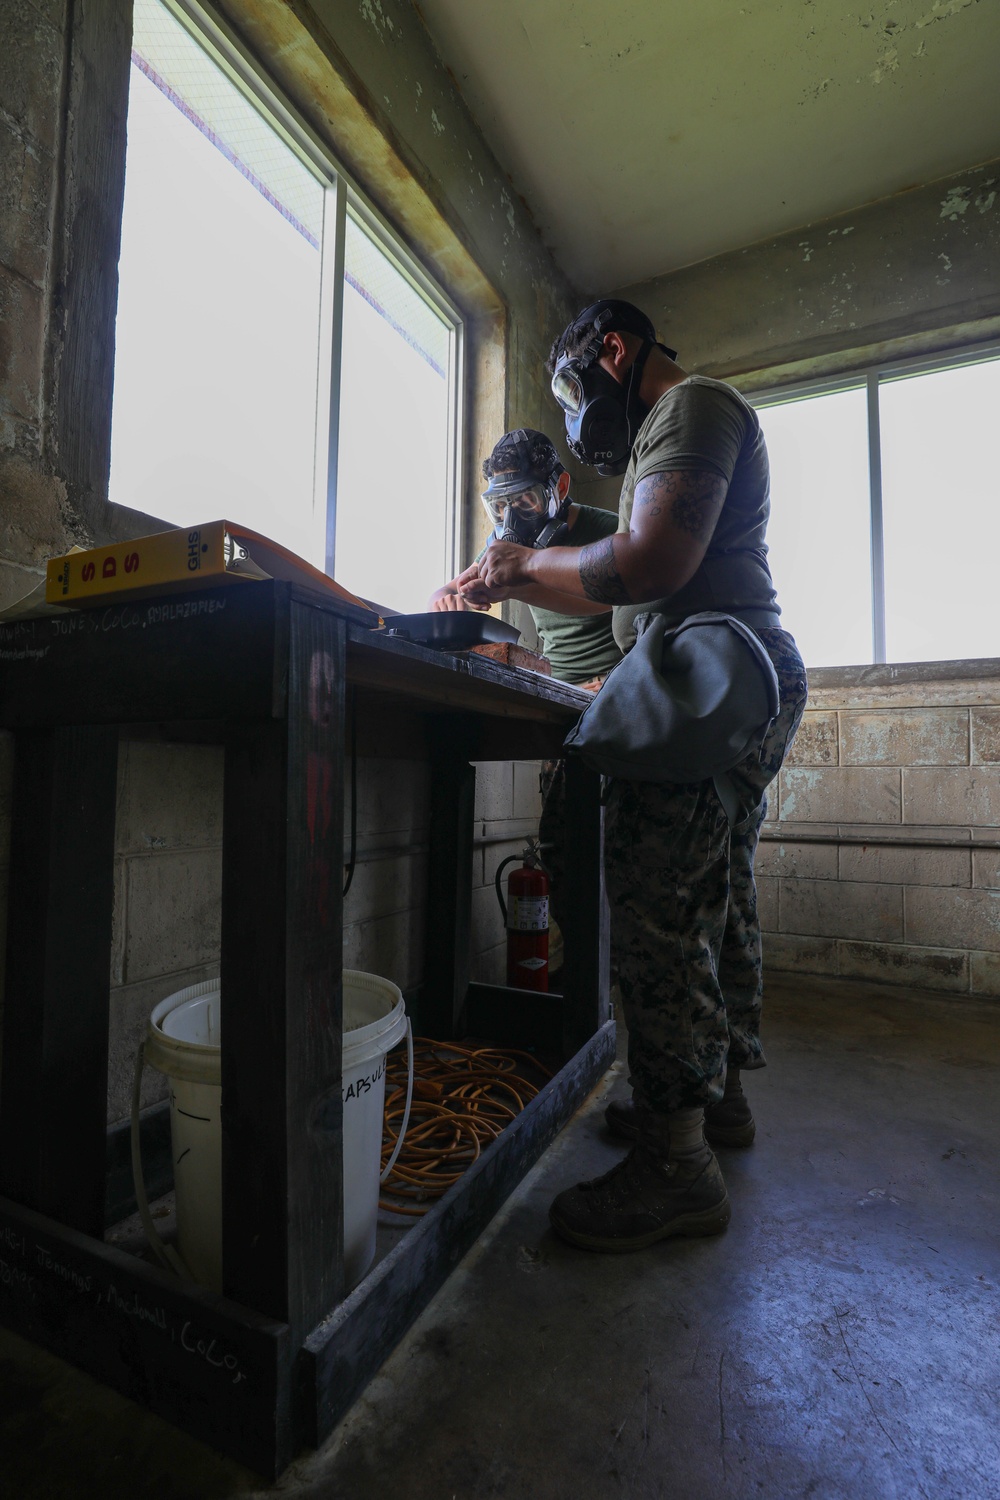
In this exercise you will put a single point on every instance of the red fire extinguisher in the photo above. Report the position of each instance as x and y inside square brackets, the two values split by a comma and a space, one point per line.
[526, 916]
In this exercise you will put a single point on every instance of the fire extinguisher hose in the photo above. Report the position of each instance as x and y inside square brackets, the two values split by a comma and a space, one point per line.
[511, 859]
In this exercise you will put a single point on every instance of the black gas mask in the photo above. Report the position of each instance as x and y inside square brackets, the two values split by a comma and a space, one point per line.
[602, 416]
[525, 510]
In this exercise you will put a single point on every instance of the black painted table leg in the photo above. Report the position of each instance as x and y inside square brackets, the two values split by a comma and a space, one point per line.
[53, 1093]
[448, 923]
[586, 925]
[281, 985]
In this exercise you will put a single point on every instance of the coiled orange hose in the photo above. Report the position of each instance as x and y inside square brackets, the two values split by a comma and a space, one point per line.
[463, 1097]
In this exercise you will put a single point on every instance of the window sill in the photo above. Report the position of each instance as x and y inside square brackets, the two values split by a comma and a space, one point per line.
[890, 674]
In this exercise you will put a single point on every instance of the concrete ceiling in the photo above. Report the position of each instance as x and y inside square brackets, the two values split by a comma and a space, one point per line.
[645, 135]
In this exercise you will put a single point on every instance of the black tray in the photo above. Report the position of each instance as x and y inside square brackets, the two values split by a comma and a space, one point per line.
[451, 629]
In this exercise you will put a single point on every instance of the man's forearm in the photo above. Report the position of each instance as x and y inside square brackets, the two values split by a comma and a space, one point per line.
[563, 604]
[602, 573]
[673, 520]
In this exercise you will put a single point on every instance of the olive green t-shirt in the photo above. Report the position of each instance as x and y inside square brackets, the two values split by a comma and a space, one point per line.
[706, 424]
[579, 647]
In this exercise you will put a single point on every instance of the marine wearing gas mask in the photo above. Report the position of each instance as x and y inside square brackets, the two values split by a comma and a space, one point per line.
[603, 417]
[523, 501]
[528, 502]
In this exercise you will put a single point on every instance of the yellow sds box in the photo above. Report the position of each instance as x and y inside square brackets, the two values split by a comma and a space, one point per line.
[184, 558]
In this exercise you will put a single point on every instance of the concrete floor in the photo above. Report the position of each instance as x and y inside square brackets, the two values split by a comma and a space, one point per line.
[838, 1342]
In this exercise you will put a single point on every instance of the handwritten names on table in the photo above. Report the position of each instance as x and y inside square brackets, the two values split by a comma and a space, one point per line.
[37, 1276]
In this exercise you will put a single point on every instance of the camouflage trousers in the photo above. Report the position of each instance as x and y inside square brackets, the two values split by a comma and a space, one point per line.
[685, 936]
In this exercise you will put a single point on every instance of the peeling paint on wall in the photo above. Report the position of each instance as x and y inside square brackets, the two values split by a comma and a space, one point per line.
[376, 16]
[919, 267]
[955, 204]
[943, 10]
[888, 62]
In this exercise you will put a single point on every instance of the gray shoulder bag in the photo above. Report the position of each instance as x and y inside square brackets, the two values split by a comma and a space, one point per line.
[686, 704]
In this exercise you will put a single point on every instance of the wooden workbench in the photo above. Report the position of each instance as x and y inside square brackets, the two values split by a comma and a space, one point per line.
[285, 679]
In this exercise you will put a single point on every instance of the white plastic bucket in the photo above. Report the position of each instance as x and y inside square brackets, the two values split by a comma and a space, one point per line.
[183, 1041]
[374, 1021]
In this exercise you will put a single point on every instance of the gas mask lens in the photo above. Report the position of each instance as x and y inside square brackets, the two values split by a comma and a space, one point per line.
[567, 389]
[529, 504]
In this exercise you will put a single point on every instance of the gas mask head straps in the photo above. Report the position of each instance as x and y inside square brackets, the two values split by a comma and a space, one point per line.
[524, 463]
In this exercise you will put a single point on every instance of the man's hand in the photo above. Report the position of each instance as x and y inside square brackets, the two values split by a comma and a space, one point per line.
[505, 566]
[477, 595]
[451, 597]
[510, 558]
[444, 600]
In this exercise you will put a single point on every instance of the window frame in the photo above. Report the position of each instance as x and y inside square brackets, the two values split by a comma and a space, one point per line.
[210, 31]
[869, 378]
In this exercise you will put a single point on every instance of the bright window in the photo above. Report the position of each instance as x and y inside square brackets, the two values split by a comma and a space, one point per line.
[941, 513]
[885, 521]
[818, 534]
[392, 531]
[280, 360]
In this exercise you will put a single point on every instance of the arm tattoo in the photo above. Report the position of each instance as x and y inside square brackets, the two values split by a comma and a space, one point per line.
[691, 497]
[599, 575]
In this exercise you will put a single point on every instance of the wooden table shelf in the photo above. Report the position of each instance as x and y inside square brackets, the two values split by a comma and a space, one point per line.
[275, 673]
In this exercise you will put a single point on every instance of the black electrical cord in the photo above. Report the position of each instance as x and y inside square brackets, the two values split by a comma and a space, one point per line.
[354, 791]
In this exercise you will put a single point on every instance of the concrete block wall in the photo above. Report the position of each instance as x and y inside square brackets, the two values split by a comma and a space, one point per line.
[880, 857]
[168, 881]
[168, 870]
[384, 908]
[508, 806]
[166, 886]
[32, 525]
[167, 873]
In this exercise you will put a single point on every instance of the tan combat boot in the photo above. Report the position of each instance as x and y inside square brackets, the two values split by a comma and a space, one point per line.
[669, 1184]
